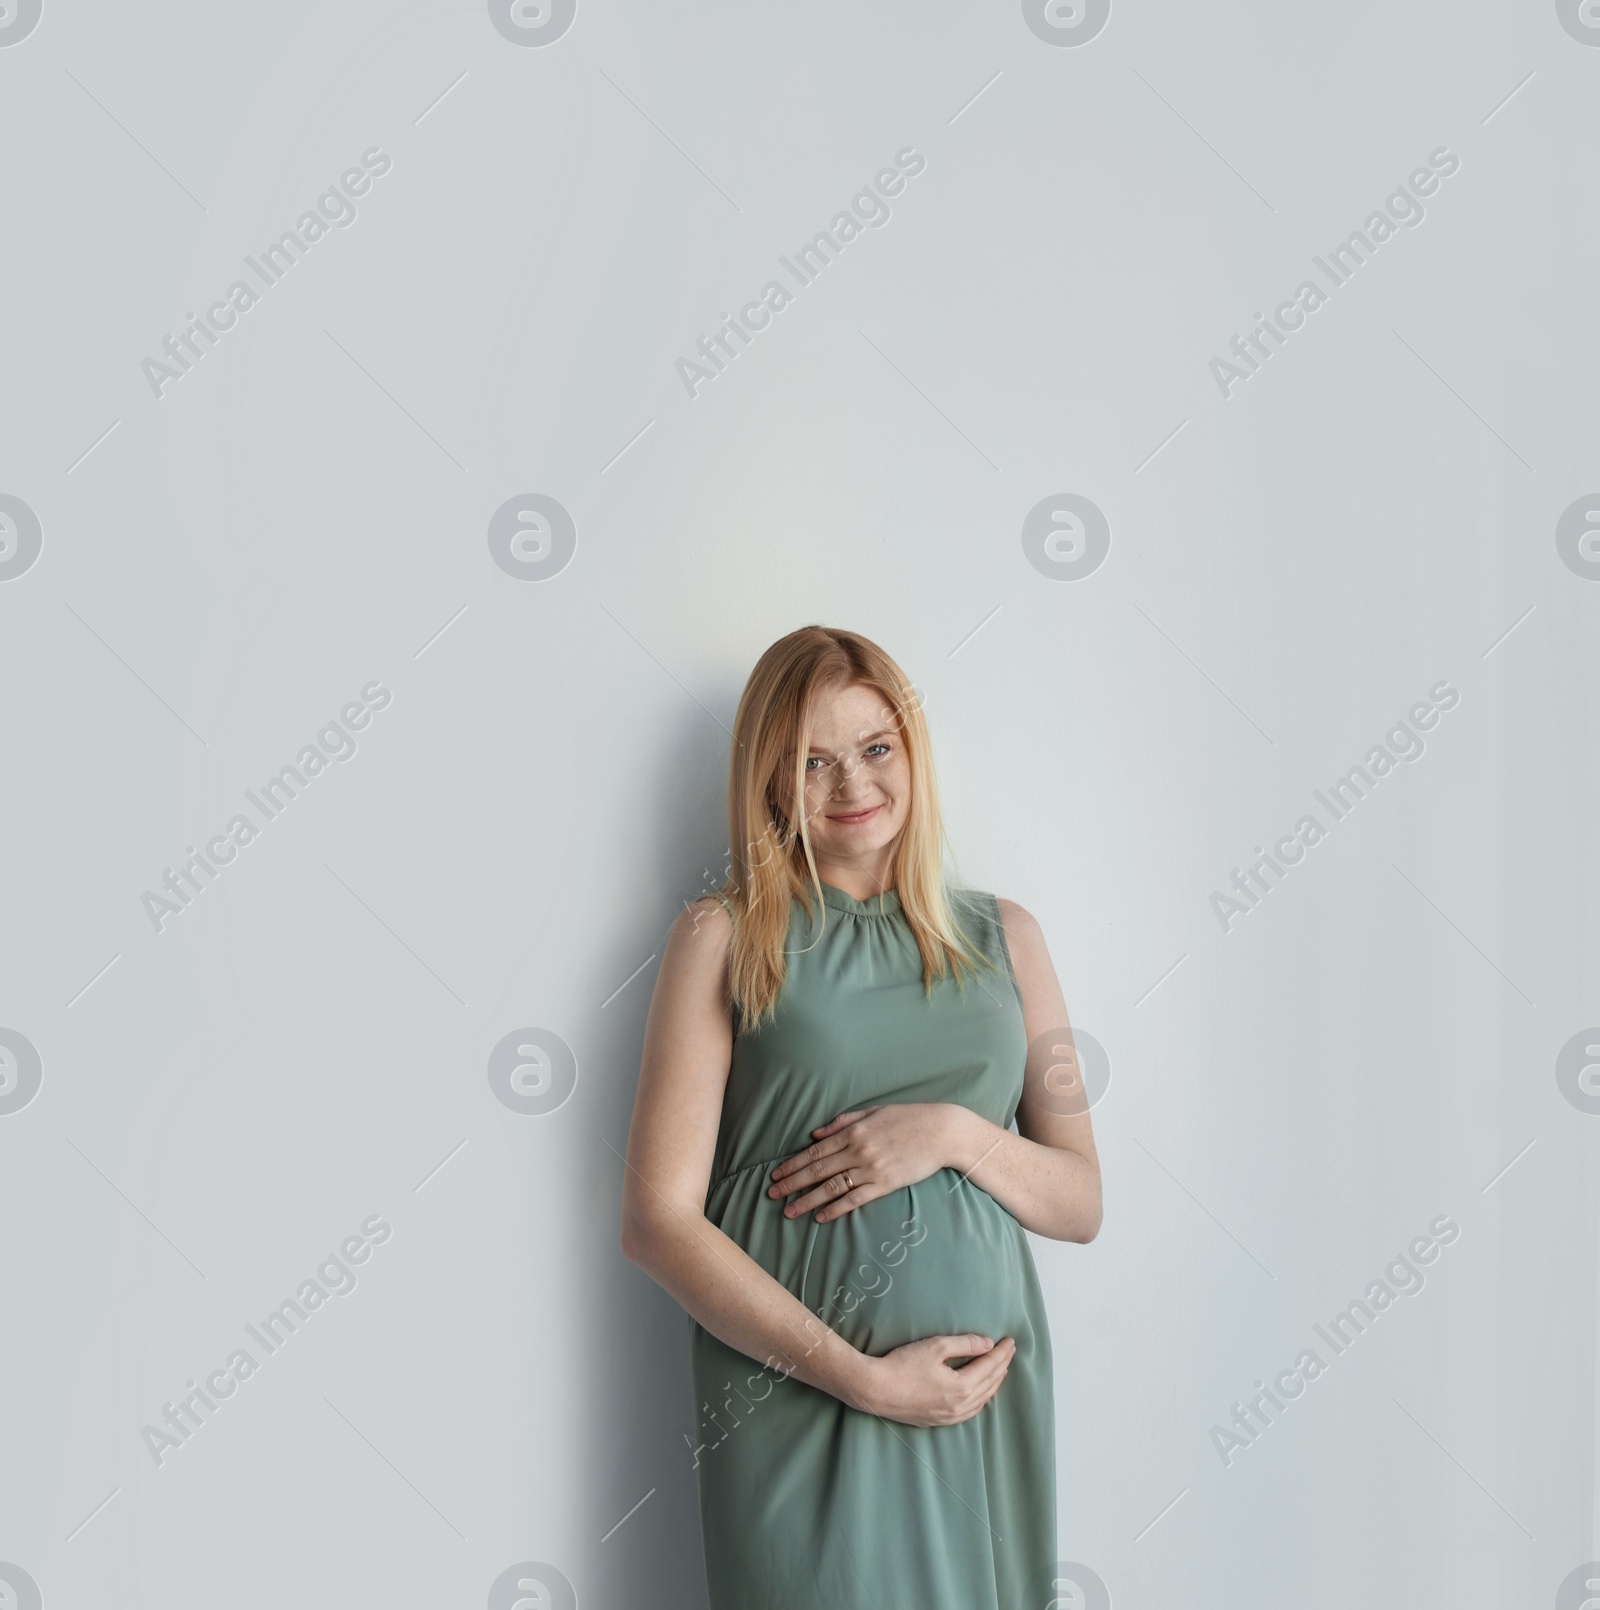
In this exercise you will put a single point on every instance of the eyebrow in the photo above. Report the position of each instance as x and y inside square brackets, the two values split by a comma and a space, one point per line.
[871, 737]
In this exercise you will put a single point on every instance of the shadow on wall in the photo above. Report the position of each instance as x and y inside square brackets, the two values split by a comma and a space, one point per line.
[643, 1399]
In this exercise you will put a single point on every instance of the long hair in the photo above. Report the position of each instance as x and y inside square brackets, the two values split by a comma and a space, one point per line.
[770, 858]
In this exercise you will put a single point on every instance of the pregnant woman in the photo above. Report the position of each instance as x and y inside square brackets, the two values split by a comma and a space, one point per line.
[822, 1171]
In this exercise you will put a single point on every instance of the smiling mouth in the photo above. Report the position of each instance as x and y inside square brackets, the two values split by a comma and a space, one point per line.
[855, 818]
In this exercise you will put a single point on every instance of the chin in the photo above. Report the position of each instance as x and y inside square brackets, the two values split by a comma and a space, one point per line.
[865, 840]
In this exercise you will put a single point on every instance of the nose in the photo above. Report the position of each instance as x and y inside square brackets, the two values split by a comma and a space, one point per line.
[845, 787]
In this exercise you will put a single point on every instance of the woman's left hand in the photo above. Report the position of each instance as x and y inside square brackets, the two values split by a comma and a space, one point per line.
[861, 1156]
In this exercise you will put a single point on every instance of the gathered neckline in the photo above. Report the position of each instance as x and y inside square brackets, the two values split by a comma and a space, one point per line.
[886, 904]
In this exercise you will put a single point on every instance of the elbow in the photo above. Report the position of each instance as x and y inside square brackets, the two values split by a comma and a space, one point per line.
[634, 1236]
[636, 1240]
[647, 1236]
[1089, 1224]
[658, 1234]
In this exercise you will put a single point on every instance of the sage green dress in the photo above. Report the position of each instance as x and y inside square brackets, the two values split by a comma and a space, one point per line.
[807, 1504]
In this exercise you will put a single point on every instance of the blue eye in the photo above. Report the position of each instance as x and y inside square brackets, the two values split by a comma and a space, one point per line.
[884, 748]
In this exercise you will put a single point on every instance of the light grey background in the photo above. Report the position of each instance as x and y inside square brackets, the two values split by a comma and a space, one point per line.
[306, 511]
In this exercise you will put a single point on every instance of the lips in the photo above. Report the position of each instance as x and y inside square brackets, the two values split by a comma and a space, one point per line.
[856, 818]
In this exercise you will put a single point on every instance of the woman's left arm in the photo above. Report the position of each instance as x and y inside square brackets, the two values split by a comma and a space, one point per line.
[1047, 1176]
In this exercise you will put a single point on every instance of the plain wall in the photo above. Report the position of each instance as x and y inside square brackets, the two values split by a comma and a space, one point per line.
[1292, 566]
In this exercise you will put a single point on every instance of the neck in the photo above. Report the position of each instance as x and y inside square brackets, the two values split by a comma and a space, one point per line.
[860, 882]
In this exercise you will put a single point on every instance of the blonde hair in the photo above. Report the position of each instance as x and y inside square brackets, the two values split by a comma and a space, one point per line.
[770, 853]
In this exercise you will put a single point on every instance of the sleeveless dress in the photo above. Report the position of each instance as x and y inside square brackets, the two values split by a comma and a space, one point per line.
[805, 1503]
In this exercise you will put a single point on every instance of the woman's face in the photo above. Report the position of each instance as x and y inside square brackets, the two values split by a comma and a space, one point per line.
[858, 778]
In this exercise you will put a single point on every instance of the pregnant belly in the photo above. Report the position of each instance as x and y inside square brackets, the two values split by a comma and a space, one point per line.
[936, 1258]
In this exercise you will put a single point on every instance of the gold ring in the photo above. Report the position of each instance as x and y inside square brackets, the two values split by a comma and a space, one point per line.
[849, 1183]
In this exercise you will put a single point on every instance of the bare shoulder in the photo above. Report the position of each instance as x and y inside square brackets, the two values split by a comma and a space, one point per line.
[706, 915]
[1022, 927]
[1030, 955]
[691, 987]
[701, 936]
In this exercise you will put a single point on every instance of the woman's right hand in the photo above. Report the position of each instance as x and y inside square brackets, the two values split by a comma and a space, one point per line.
[915, 1385]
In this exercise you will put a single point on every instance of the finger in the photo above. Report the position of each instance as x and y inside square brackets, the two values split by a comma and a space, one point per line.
[996, 1362]
[982, 1371]
[986, 1375]
[995, 1389]
[848, 1203]
[971, 1400]
[829, 1158]
[974, 1407]
[805, 1204]
[841, 1122]
[839, 1162]
[968, 1346]
[808, 1174]
[808, 1158]
[831, 1190]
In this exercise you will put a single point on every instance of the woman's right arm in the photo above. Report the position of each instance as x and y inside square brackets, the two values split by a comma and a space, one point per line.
[687, 1049]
